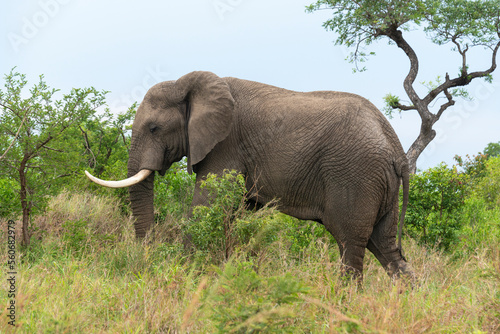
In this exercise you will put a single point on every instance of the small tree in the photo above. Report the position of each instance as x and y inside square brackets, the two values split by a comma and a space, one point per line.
[464, 24]
[492, 150]
[100, 144]
[31, 128]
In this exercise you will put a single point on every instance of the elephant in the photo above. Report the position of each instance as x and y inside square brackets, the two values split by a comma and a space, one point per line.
[330, 157]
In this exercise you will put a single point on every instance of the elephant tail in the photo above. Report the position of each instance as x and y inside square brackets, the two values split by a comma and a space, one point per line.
[405, 176]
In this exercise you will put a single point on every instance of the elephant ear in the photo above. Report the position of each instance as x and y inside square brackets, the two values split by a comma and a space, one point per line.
[209, 112]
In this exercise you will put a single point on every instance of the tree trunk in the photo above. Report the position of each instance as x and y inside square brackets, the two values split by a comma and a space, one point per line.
[426, 135]
[25, 205]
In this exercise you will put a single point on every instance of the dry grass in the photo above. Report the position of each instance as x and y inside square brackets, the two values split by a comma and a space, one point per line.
[154, 287]
[102, 214]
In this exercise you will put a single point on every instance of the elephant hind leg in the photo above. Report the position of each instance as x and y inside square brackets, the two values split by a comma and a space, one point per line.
[382, 244]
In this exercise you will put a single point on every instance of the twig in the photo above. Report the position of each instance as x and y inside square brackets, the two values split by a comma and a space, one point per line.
[15, 137]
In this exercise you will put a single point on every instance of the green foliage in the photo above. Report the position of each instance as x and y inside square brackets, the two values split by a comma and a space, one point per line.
[245, 302]
[359, 23]
[174, 193]
[392, 102]
[481, 226]
[474, 166]
[225, 224]
[9, 199]
[100, 145]
[300, 235]
[75, 235]
[212, 226]
[488, 187]
[32, 127]
[436, 202]
[467, 22]
[103, 140]
[492, 150]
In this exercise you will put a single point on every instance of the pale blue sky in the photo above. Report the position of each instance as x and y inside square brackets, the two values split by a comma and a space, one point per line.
[126, 46]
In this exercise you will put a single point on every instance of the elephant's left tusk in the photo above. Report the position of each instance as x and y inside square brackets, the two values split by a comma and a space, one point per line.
[143, 174]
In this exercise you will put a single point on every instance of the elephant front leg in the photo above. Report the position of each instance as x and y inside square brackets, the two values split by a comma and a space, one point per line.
[352, 256]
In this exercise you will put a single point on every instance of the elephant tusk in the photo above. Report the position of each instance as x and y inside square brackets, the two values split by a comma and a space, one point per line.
[143, 174]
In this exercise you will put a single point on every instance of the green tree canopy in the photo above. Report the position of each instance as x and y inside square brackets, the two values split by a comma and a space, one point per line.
[492, 150]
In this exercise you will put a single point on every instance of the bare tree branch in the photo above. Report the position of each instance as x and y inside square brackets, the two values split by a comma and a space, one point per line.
[462, 80]
[52, 149]
[446, 105]
[403, 107]
[397, 36]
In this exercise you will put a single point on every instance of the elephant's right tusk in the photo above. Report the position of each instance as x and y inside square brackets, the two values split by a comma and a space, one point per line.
[143, 174]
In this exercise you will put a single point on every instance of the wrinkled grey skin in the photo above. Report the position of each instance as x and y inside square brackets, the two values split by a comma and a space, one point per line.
[330, 157]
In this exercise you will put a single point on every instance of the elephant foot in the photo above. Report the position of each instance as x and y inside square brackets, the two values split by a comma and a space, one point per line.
[401, 271]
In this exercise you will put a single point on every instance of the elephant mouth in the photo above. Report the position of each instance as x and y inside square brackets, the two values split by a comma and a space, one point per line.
[166, 162]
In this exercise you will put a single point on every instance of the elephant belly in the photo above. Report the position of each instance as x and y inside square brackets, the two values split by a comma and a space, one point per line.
[322, 179]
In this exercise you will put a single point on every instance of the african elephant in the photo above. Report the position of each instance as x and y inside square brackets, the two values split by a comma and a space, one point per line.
[330, 157]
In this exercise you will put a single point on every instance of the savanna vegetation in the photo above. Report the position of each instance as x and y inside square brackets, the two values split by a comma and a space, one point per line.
[81, 270]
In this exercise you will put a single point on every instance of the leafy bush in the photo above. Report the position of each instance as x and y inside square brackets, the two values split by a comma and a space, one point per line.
[436, 202]
[488, 188]
[225, 224]
[174, 193]
[481, 214]
[9, 198]
[300, 234]
[492, 150]
[474, 166]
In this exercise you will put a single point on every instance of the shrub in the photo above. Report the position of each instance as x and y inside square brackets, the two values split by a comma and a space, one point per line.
[301, 235]
[482, 211]
[436, 202]
[9, 198]
[174, 193]
[474, 166]
[488, 188]
[225, 224]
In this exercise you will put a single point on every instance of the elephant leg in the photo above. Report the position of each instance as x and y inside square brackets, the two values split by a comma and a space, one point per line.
[352, 254]
[352, 234]
[382, 244]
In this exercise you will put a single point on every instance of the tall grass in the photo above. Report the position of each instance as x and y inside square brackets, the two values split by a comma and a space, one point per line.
[86, 273]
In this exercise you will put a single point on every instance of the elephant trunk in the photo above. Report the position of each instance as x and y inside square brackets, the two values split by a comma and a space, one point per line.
[141, 198]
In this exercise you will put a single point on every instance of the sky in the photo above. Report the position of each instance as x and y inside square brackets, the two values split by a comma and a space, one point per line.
[127, 46]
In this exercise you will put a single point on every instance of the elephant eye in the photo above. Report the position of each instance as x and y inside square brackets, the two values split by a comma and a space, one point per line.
[153, 128]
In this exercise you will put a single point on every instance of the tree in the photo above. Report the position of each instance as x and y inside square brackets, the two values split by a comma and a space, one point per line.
[492, 150]
[100, 144]
[464, 24]
[31, 127]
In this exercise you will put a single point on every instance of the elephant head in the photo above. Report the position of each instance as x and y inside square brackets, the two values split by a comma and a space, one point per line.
[187, 117]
